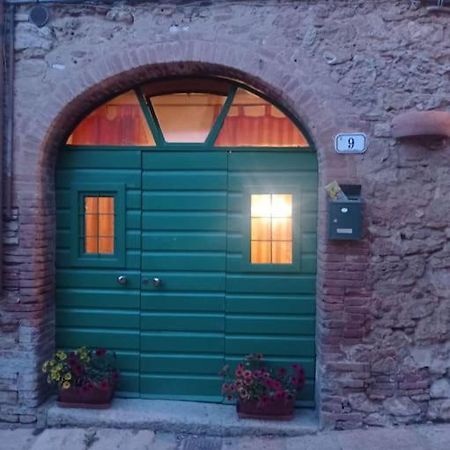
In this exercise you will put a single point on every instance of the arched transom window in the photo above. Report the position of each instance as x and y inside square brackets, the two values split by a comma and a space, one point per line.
[208, 112]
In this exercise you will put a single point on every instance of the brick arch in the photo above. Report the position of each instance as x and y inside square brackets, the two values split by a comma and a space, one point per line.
[314, 99]
[309, 97]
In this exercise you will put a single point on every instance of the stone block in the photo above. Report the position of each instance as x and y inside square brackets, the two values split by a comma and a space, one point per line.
[401, 406]
[440, 389]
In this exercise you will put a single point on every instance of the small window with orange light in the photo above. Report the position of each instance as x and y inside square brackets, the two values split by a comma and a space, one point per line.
[271, 228]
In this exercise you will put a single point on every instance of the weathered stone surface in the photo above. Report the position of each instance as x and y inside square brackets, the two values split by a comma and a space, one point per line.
[440, 389]
[30, 37]
[360, 402]
[401, 406]
[439, 410]
[120, 15]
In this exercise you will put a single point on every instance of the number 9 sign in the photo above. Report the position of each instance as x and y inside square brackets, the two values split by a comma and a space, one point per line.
[351, 143]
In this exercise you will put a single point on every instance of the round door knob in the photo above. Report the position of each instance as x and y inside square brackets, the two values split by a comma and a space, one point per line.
[122, 279]
[156, 282]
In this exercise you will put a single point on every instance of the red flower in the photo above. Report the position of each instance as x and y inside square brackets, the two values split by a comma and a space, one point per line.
[100, 352]
[77, 370]
[104, 385]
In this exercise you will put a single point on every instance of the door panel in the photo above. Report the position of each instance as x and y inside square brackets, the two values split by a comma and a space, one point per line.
[92, 309]
[183, 244]
[270, 308]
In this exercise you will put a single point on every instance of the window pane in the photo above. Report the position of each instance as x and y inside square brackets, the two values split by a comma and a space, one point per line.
[106, 205]
[261, 229]
[187, 117]
[99, 225]
[91, 205]
[91, 244]
[118, 122]
[254, 122]
[281, 205]
[106, 245]
[281, 229]
[260, 252]
[271, 229]
[282, 252]
[261, 206]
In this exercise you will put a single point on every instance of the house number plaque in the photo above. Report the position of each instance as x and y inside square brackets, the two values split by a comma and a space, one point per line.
[351, 143]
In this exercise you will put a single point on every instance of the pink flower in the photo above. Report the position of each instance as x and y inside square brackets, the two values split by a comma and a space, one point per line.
[281, 371]
[276, 385]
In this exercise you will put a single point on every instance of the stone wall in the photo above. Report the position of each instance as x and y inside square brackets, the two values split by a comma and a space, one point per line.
[383, 304]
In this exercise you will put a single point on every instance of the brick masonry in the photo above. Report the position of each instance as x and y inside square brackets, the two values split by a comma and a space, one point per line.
[383, 303]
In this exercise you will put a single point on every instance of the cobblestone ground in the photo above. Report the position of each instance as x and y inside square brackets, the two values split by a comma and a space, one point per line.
[435, 437]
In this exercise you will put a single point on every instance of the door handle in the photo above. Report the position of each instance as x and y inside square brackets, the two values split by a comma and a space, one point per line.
[122, 280]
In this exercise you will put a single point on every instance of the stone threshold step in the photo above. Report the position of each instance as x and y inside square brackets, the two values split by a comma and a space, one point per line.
[179, 417]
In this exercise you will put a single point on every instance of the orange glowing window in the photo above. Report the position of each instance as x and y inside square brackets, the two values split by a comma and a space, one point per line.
[271, 229]
[254, 122]
[118, 122]
[99, 225]
[187, 117]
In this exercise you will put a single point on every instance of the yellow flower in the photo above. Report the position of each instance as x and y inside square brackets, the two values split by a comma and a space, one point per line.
[45, 366]
[55, 375]
[61, 355]
[66, 385]
[68, 376]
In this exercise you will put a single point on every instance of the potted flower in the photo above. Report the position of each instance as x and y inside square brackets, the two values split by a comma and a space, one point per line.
[263, 392]
[85, 378]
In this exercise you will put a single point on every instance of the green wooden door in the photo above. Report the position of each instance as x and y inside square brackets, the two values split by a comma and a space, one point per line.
[183, 217]
[92, 307]
[270, 308]
[183, 246]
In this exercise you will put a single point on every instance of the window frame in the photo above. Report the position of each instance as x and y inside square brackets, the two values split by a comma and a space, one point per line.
[78, 256]
[247, 265]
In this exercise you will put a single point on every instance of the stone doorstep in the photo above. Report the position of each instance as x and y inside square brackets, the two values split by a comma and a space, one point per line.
[177, 417]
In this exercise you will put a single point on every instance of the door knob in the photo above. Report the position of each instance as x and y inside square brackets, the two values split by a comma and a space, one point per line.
[122, 279]
[156, 282]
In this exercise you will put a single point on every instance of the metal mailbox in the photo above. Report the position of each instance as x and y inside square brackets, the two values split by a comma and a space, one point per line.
[345, 216]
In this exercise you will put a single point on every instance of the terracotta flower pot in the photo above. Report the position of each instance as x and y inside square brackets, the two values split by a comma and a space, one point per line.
[277, 409]
[78, 397]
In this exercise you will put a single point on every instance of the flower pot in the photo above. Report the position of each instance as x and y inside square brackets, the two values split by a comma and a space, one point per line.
[79, 397]
[276, 409]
